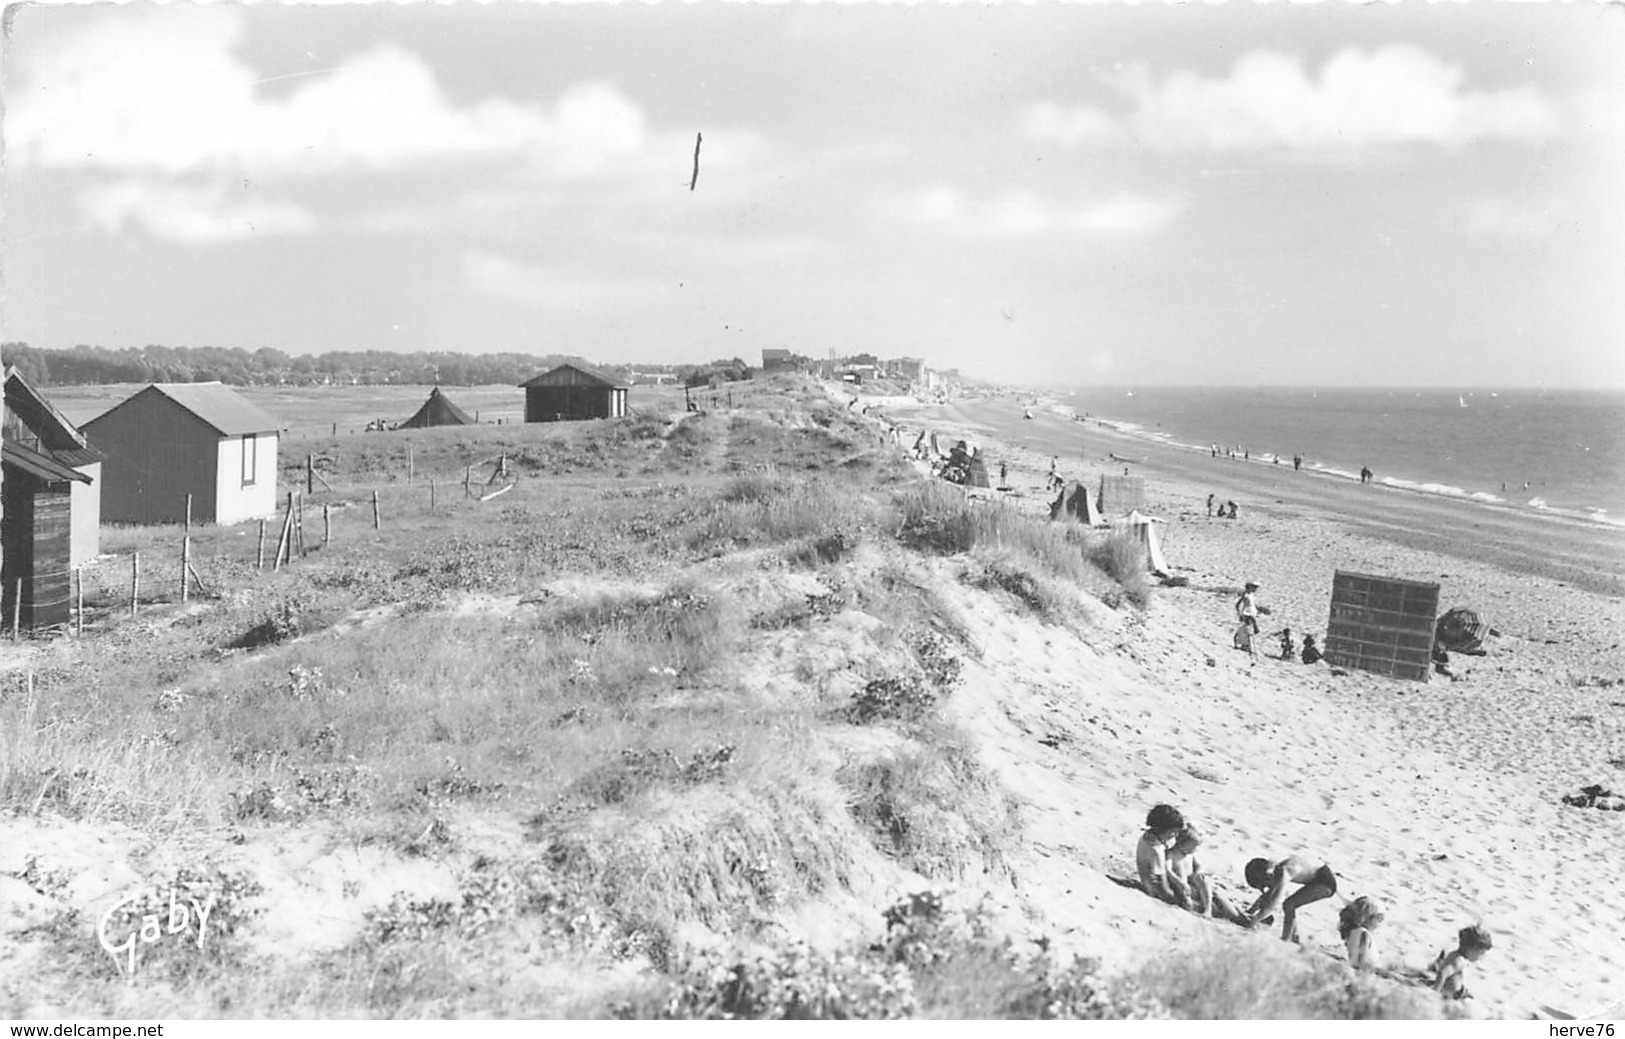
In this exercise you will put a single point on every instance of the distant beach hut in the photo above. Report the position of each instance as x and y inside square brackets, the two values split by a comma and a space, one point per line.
[438, 410]
[33, 421]
[1077, 502]
[171, 440]
[37, 533]
[572, 392]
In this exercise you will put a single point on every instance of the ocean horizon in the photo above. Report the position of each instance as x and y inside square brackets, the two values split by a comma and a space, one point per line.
[1557, 451]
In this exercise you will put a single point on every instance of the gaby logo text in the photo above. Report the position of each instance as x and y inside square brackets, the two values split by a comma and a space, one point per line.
[145, 916]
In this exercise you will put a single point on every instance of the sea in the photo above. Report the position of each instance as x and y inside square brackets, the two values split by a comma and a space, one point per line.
[1555, 451]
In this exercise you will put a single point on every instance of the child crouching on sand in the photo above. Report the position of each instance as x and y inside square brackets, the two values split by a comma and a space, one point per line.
[1355, 924]
[1451, 982]
[1316, 882]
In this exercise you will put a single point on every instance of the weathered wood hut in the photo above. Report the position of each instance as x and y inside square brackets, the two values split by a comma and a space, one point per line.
[34, 422]
[174, 439]
[573, 391]
[37, 534]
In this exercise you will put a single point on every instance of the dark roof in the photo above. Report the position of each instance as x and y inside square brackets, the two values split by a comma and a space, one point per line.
[776, 355]
[585, 369]
[438, 410]
[213, 402]
[56, 434]
[38, 464]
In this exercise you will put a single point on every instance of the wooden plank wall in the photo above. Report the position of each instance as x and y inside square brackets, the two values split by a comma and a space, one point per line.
[1120, 495]
[1382, 624]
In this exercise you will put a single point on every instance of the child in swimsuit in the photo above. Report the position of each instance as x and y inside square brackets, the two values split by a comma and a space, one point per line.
[1356, 923]
[1472, 943]
[1271, 877]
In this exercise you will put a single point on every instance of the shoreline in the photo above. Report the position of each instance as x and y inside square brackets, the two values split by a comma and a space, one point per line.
[1442, 799]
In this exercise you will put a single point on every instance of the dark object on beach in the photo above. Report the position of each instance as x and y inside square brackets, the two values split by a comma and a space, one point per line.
[1175, 582]
[1596, 796]
[1310, 655]
[1382, 624]
[1460, 631]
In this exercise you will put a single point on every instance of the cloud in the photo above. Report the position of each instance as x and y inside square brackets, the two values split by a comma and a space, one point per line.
[1395, 95]
[171, 95]
[190, 214]
[1020, 213]
[1507, 220]
[502, 277]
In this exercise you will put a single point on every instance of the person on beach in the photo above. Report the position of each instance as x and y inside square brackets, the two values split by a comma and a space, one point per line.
[1316, 883]
[1162, 826]
[1450, 980]
[1355, 925]
[1004, 476]
[1230, 505]
[1311, 653]
[1187, 875]
[1210, 506]
[1286, 644]
[1297, 462]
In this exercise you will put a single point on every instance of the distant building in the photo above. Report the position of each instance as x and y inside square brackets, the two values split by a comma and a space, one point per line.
[571, 392]
[174, 439]
[780, 361]
[438, 410]
[910, 368]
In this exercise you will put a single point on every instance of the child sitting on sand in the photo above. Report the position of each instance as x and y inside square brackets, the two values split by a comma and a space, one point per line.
[1311, 653]
[1186, 874]
[1451, 981]
[1162, 826]
[1286, 644]
[1271, 877]
[1355, 924]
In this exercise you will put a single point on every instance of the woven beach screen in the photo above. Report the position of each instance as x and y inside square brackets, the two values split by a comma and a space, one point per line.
[1382, 624]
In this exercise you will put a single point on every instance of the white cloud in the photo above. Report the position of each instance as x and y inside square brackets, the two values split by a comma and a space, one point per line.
[1395, 95]
[502, 277]
[1021, 213]
[1507, 220]
[190, 215]
[171, 95]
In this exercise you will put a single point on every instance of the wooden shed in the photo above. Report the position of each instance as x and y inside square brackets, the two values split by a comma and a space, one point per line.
[573, 391]
[174, 439]
[37, 535]
[34, 422]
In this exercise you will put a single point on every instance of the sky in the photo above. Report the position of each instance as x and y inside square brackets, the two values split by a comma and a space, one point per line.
[1237, 194]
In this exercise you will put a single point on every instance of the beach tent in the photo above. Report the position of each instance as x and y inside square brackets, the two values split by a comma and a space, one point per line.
[438, 410]
[1145, 527]
[1077, 502]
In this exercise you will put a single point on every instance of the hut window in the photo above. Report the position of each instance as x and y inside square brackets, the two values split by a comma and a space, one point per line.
[250, 457]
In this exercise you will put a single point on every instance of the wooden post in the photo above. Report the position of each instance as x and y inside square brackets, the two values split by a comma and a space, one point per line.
[431, 494]
[408, 463]
[259, 552]
[299, 526]
[135, 581]
[79, 600]
[310, 474]
[375, 524]
[17, 611]
[287, 532]
[468, 478]
[186, 564]
[188, 514]
[327, 527]
[502, 464]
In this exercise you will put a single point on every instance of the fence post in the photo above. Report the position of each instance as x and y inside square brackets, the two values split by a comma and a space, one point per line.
[327, 526]
[299, 528]
[408, 463]
[310, 474]
[79, 600]
[375, 524]
[186, 564]
[17, 611]
[468, 478]
[259, 552]
[135, 580]
[335, 429]
[431, 494]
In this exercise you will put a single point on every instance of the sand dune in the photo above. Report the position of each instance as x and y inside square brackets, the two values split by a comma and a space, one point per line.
[1440, 799]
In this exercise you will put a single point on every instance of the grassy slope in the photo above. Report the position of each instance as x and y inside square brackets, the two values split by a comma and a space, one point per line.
[674, 692]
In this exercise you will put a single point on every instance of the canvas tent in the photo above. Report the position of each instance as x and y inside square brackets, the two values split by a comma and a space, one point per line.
[438, 410]
[1145, 527]
[1078, 503]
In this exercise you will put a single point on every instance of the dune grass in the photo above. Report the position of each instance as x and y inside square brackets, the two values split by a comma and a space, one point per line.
[564, 662]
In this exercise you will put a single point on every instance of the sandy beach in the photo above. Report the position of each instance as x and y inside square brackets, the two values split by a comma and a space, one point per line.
[1443, 800]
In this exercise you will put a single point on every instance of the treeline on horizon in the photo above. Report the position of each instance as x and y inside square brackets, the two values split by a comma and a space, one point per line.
[96, 365]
